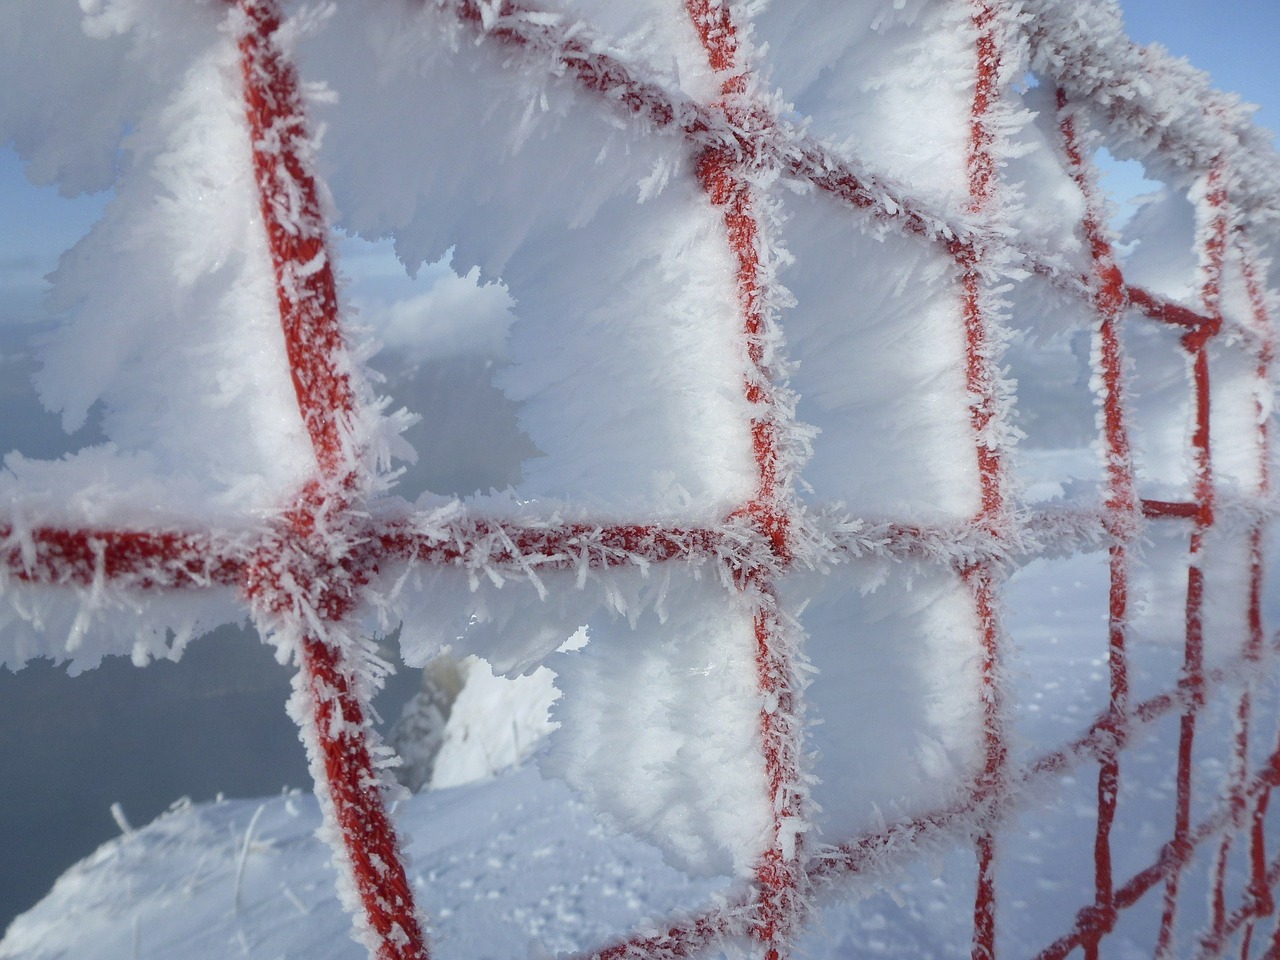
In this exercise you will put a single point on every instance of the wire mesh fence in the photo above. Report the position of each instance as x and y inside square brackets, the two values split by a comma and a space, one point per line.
[1191, 513]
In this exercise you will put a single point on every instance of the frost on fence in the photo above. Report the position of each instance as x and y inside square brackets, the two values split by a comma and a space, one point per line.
[836, 371]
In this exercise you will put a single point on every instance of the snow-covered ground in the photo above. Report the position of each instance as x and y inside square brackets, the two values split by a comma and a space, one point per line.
[510, 865]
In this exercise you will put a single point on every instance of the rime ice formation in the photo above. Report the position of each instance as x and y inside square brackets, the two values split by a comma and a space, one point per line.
[836, 378]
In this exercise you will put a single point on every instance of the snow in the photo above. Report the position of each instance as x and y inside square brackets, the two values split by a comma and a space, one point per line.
[249, 878]
[648, 707]
[909, 443]
[897, 656]
[495, 724]
[874, 68]
[593, 305]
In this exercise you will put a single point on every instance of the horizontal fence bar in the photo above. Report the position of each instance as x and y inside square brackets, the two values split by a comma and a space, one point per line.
[190, 559]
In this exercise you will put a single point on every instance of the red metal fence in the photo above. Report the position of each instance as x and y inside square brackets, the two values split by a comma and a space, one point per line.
[307, 570]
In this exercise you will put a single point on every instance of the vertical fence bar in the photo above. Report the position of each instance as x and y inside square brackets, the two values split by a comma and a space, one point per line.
[297, 234]
[1191, 683]
[1259, 899]
[1108, 300]
[297, 237]
[368, 834]
[780, 873]
[980, 376]
[1257, 891]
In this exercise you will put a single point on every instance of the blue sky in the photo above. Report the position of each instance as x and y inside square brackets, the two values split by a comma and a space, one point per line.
[1236, 41]
[35, 226]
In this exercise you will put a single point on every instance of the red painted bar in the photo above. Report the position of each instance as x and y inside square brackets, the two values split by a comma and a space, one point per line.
[140, 559]
[1185, 510]
[779, 874]
[560, 547]
[682, 939]
[307, 298]
[297, 234]
[979, 382]
[772, 140]
[1258, 898]
[1109, 302]
[1260, 901]
[176, 559]
[1171, 861]
[367, 831]
[1196, 342]
[1166, 311]
[867, 852]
